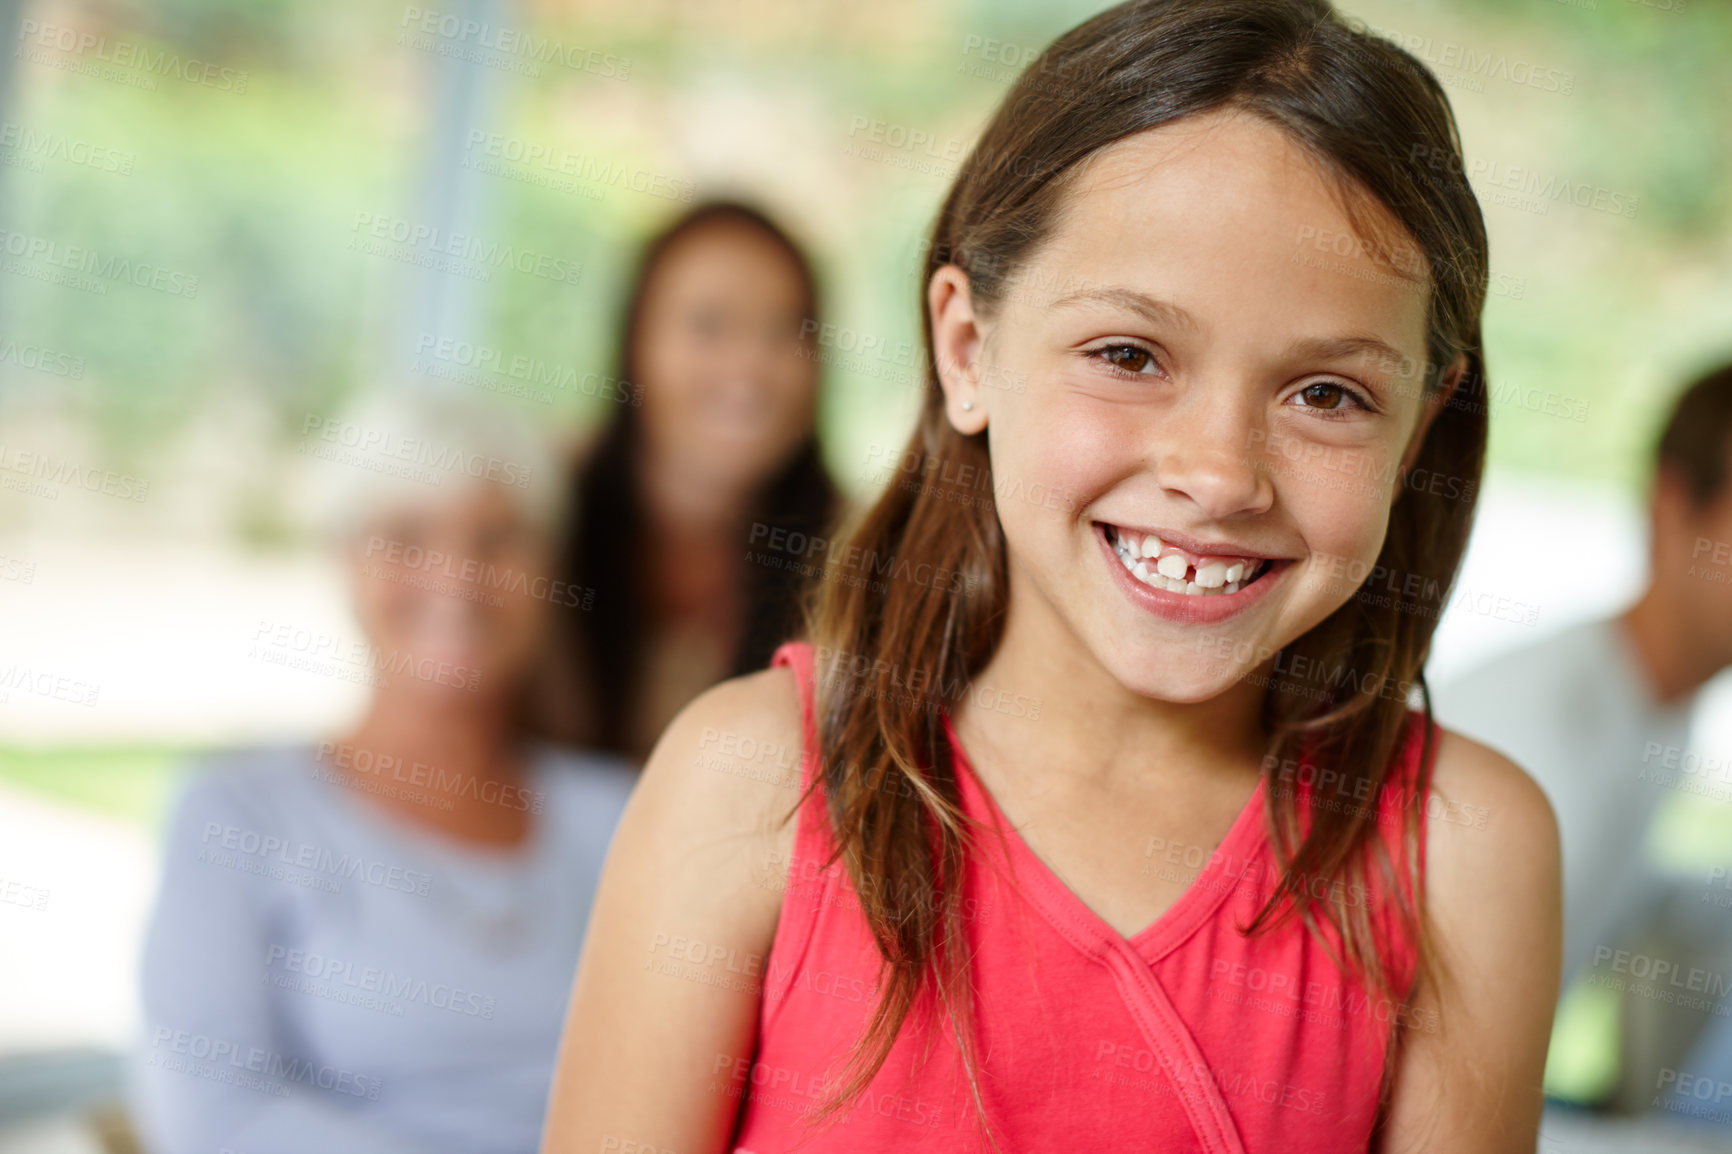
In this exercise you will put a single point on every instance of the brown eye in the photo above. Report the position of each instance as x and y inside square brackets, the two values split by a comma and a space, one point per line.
[1323, 395]
[1129, 358]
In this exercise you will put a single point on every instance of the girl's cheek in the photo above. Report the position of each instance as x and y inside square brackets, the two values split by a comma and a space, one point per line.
[1343, 526]
[1063, 444]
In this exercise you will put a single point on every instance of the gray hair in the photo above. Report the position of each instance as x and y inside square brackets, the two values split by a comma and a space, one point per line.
[398, 447]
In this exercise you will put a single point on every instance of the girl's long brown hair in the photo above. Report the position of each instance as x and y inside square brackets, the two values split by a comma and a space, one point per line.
[1381, 125]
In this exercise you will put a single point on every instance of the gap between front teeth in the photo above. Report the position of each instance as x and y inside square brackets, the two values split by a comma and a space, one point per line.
[1161, 566]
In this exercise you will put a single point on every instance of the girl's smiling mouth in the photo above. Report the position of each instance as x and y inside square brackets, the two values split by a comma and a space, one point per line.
[1176, 582]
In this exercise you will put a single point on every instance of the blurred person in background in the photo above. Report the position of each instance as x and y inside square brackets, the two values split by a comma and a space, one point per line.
[693, 515]
[364, 945]
[1600, 713]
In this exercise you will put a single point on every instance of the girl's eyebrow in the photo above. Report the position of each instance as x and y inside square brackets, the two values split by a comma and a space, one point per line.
[1161, 312]
[1154, 311]
[1343, 348]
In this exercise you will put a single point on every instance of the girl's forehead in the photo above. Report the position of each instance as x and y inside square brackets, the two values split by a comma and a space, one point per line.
[1221, 167]
[1227, 209]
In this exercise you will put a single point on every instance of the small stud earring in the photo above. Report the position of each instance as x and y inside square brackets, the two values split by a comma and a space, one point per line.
[968, 406]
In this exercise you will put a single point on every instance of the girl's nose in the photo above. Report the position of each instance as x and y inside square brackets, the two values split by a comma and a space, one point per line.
[1208, 458]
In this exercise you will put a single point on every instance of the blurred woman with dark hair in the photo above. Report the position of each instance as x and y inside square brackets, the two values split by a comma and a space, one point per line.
[715, 449]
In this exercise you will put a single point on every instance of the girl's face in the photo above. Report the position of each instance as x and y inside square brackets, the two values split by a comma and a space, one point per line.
[452, 591]
[1217, 376]
[726, 369]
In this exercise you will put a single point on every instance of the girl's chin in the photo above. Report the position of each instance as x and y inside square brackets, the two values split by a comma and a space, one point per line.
[1189, 686]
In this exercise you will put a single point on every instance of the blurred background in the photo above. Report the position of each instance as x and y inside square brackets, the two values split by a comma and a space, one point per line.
[222, 221]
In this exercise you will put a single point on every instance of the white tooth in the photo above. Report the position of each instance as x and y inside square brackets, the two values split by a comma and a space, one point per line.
[1175, 584]
[1233, 572]
[1152, 546]
[1140, 571]
[1212, 575]
[1192, 588]
[1172, 565]
[1230, 587]
[1128, 560]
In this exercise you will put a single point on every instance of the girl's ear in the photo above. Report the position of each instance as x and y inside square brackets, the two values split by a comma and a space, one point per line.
[957, 337]
[1430, 406]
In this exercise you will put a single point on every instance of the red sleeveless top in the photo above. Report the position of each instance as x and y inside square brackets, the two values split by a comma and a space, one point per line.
[1188, 1036]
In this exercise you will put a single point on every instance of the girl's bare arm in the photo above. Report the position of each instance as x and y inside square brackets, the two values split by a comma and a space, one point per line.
[664, 1012]
[1469, 1078]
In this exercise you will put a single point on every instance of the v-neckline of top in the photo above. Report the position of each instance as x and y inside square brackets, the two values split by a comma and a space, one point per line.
[1199, 901]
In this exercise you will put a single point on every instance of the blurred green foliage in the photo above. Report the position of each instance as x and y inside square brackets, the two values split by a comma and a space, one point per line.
[256, 193]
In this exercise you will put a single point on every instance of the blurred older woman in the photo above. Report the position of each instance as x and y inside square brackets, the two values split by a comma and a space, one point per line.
[364, 945]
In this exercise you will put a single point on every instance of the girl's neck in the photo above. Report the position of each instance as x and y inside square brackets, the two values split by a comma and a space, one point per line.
[1089, 724]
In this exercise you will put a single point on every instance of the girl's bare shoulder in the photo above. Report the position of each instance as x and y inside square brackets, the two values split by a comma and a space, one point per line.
[1486, 791]
[1492, 843]
[729, 762]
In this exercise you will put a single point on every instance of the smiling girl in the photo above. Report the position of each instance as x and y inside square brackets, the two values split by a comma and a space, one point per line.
[1140, 836]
